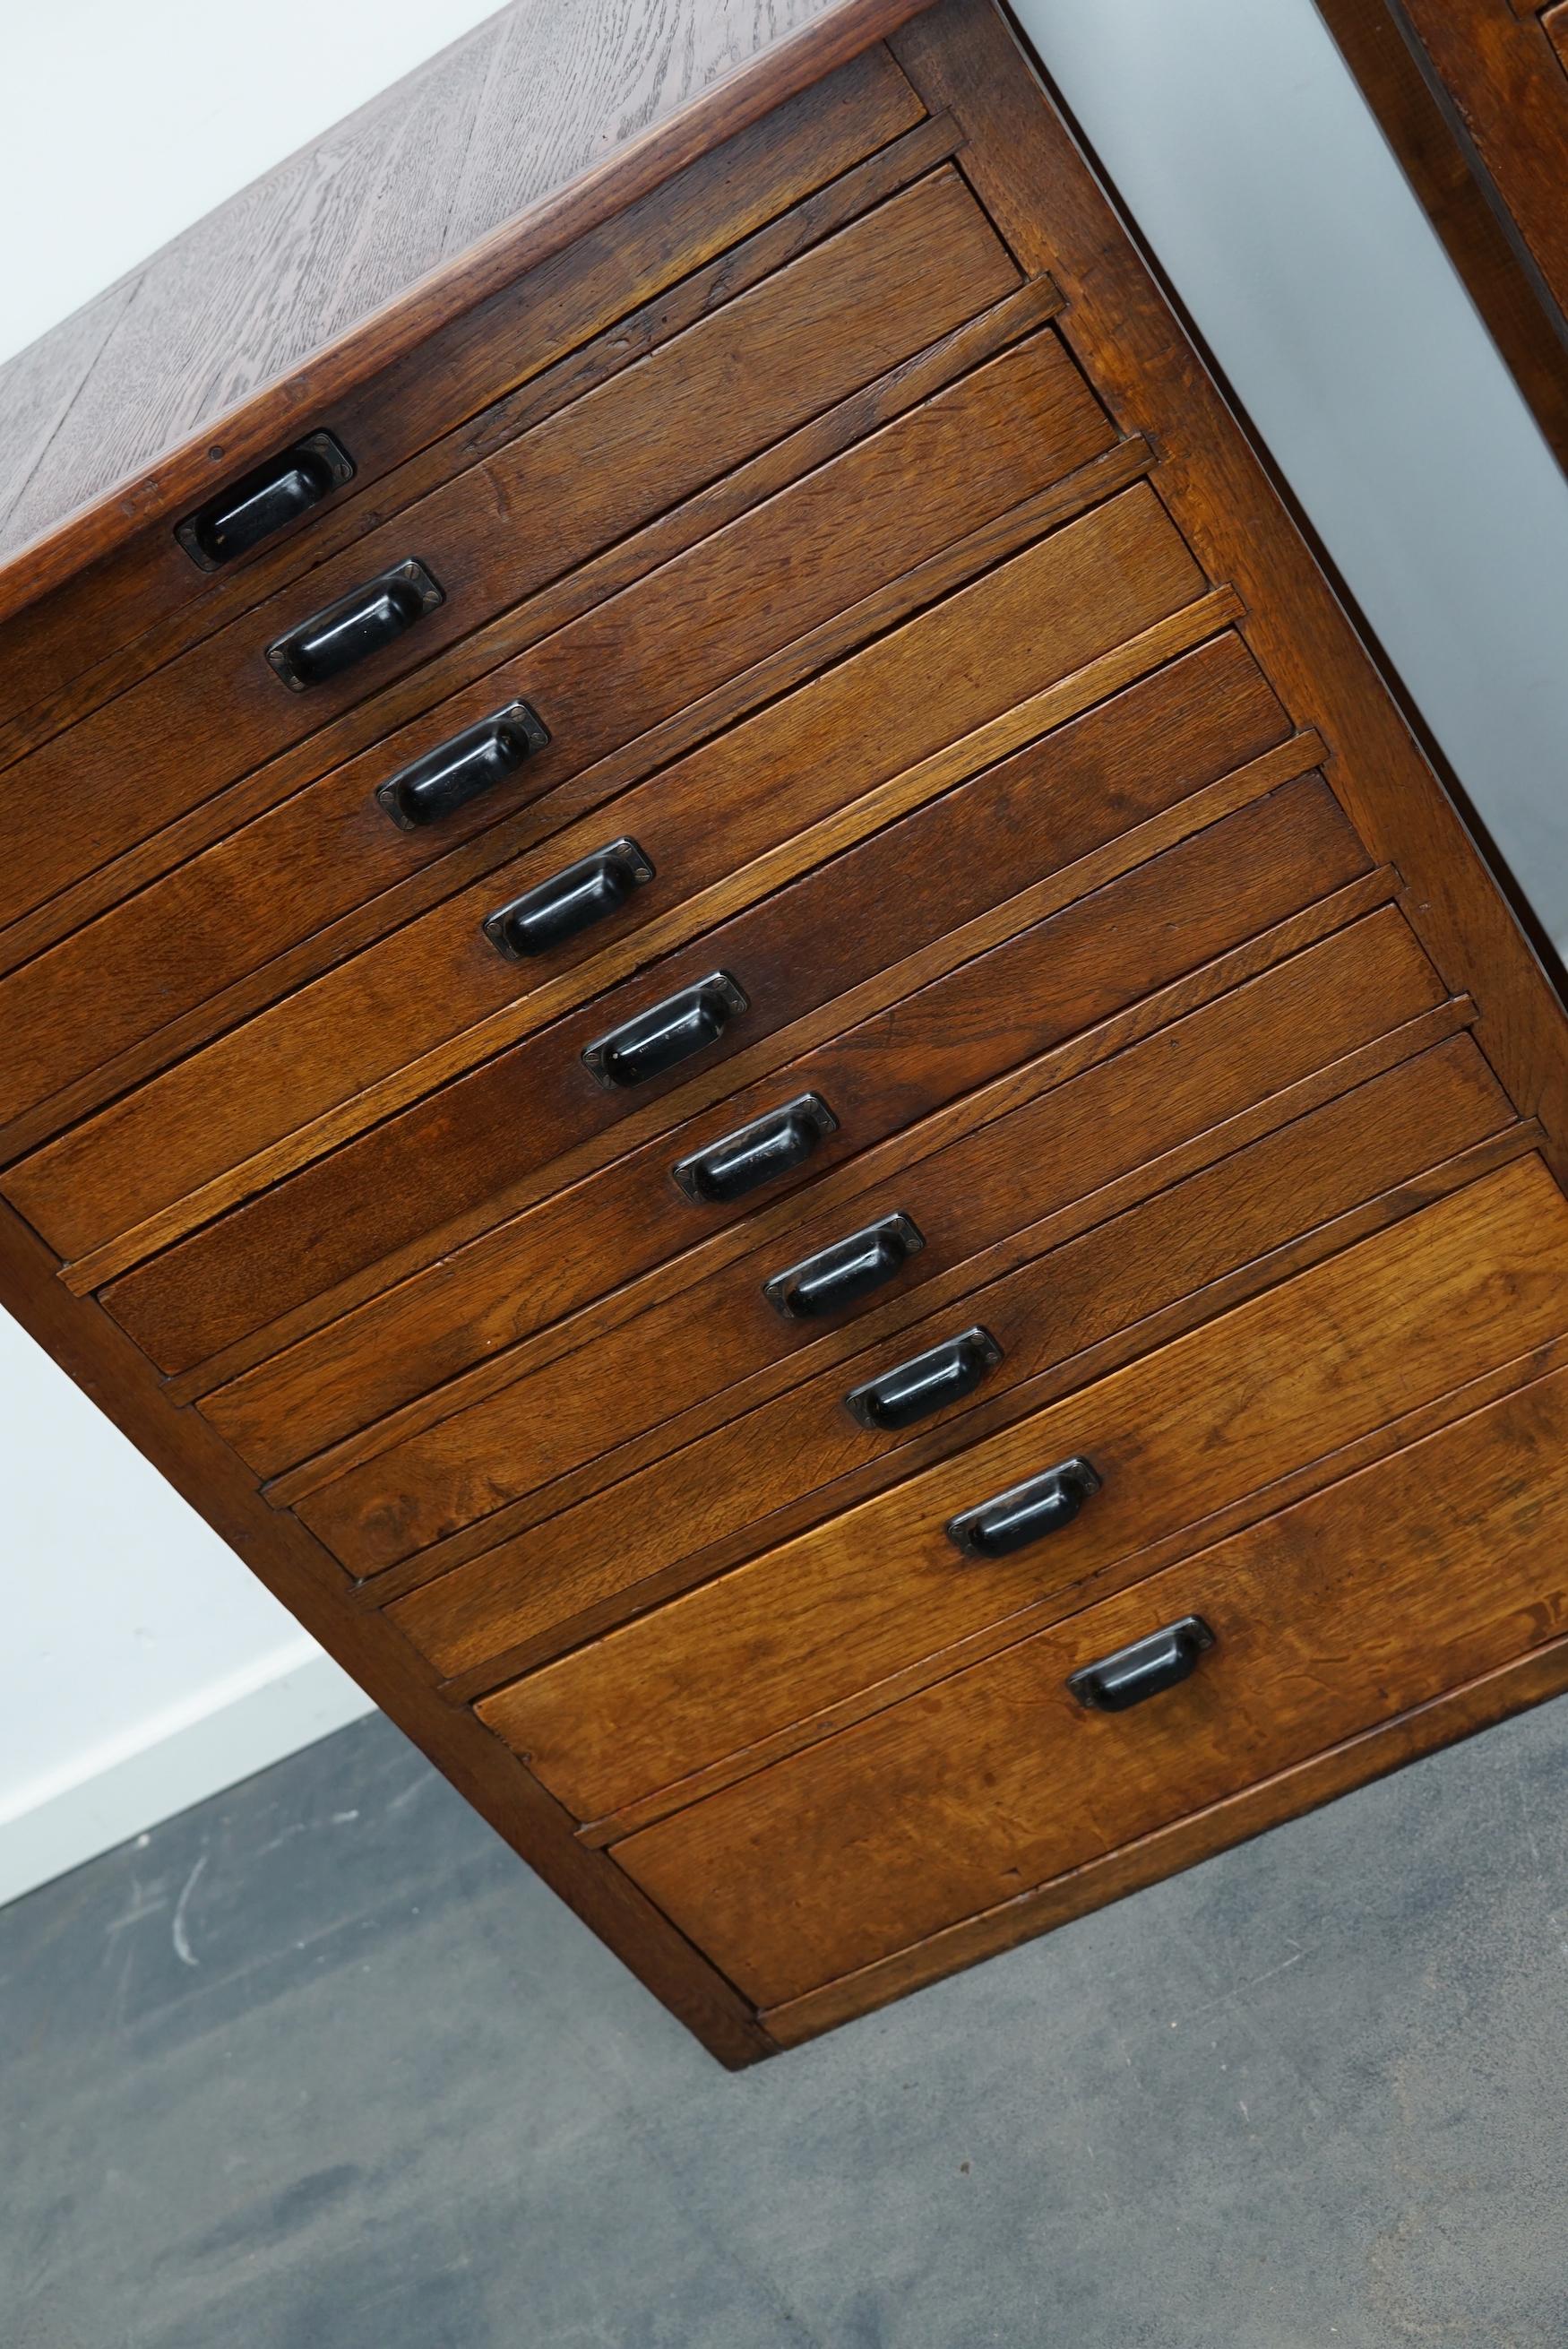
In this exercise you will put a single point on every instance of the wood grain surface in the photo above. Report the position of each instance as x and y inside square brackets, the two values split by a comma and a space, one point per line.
[986, 710]
[805, 1440]
[751, 372]
[750, 1654]
[214, 1117]
[997, 1780]
[982, 1206]
[1181, 728]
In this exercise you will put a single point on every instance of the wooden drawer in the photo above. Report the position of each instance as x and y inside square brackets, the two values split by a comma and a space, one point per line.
[1078, 594]
[1352, 1606]
[934, 871]
[464, 1147]
[730, 1493]
[513, 332]
[743, 377]
[703, 1318]
[1008, 1181]
[942, 471]
[779, 1649]
[847, 504]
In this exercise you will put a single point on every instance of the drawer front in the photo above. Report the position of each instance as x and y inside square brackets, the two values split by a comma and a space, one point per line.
[1006, 1178]
[463, 1148]
[877, 1590]
[1079, 593]
[722, 1487]
[588, 310]
[760, 365]
[1366, 1600]
[932, 476]
[942, 866]
[1007, 1169]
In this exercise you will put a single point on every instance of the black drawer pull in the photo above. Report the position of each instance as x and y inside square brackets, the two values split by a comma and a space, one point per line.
[355, 627]
[573, 899]
[458, 771]
[1026, 1513]
[756, 1153]
[670, 1032]
[1160, 1661]
[946, 1374]
[842, 1275]
[263, 500]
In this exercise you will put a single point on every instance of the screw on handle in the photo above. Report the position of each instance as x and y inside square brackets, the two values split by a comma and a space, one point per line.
[665, 1034]
[264, 500]
[756, 1153]
[928, 1383]
[573, 899]
[1026, 1513]
[1133, 1674]
[461, 768]
[345, 633]
[840, 1276]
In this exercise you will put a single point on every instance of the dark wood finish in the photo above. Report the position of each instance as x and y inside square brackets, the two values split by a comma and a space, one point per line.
[1031, 178]
[192, 1142]
[954, 1802]
[865, 1188]
[1193, 624]
[936, 475]
[435, 349]
[803, 1443]
[749, 372]
[1439, 163]
[1041, 811]
[548, 1258]
[475, 841]
[592, 1398]
[976, 691]
[848, 1606]
[458, 1151]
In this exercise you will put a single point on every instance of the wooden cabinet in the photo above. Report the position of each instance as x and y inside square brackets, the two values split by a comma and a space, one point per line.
[1472, 96]
[854, 1070]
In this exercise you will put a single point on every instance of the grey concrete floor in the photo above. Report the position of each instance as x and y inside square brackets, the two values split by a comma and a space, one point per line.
[319, 2066]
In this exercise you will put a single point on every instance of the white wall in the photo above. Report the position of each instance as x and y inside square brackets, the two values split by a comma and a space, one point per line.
[141, 1667]
[1238, 141]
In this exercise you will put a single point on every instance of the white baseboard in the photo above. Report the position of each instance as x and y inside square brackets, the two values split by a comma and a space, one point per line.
[121, 1787]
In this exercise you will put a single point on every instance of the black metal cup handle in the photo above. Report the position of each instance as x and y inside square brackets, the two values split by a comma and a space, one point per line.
[840, 1276]
[754, 1153]
[264, 500]
[1026, 1513]
[1148, 1666]
[573, 899]
[343, 634]
[927, 1382]
[461, 768]
[666, 1033]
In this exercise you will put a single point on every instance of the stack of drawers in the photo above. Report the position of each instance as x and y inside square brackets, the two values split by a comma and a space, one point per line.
[775, 1030]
